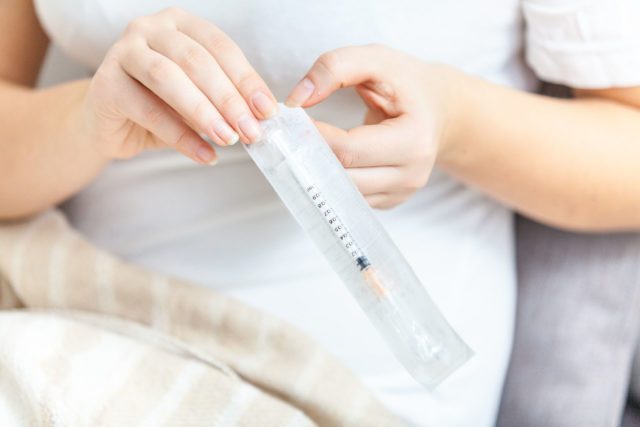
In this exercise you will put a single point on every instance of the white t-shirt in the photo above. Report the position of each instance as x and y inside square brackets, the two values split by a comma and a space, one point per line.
[223, 227]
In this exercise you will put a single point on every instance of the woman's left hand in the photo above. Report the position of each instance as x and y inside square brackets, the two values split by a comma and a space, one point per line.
[409, 105]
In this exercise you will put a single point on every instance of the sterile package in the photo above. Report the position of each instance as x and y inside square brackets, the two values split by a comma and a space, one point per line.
[318, 192]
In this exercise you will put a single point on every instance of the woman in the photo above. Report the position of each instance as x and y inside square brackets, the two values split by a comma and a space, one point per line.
[116, 147]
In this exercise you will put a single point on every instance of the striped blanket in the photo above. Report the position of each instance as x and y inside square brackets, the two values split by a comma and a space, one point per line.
[89, 340]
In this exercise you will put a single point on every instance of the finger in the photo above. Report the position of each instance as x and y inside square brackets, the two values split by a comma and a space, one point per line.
[165, 78]
[203, 69]
[383, 179]
[388, 143]
[234, 63]
[206, 74]
[344, 67]
[147, 110]
[378, 200]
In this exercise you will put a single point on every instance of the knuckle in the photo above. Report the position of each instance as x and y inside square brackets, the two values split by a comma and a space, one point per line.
[116, 50]
[330, 64]
[109, 65]
[106, 76]
[137, 25]
[228, 101]
[181, 140]
[248, 81]
[218, 41]
[201, 112]
[172, 11]
[122, 48]
[193, 59]
[329, 60]
[152, 115]
[159, 71]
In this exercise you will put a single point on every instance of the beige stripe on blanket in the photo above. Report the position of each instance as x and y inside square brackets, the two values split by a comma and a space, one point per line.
[89, 340]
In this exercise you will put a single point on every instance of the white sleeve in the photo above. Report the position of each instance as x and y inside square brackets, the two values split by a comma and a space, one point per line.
[584, 43]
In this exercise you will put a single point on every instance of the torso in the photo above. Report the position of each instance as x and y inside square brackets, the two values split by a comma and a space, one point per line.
[223, 227]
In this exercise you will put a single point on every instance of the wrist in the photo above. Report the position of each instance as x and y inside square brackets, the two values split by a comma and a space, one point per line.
[79, 124]
[457, 88]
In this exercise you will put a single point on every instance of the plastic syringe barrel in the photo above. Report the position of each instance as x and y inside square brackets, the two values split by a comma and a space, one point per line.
[296, 161]
[278, 138]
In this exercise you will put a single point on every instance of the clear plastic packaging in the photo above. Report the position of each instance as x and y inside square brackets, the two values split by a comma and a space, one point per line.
[318, 192]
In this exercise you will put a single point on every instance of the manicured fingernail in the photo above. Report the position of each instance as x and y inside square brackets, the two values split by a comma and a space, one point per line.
[250, 127]
[301, 93]
[265, 105]
[225, 132]
[206, 155]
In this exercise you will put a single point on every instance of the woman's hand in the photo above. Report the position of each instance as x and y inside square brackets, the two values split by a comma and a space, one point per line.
[409, 105]
[568, 163]
[171, 78]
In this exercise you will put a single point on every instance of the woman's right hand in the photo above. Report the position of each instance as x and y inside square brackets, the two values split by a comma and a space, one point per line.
[169, 79]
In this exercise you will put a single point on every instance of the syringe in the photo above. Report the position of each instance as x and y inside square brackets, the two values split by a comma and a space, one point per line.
[295, 159]
[338, 228]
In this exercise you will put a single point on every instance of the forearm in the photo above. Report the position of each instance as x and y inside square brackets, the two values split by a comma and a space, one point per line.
[43, 156]
[573, 164]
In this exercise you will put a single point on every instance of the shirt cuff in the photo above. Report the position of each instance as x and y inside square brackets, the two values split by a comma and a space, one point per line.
[588, 44]
[617, 66]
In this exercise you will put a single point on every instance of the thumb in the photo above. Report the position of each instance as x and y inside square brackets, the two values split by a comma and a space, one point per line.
[336, 69]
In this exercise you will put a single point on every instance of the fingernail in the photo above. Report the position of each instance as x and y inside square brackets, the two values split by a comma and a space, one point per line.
[225, 132]
[265, 105]
[301, 93]
[206, 155]
[250, 127]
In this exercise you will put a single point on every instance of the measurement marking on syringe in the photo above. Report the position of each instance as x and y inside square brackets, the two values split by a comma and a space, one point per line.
[338, 228]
